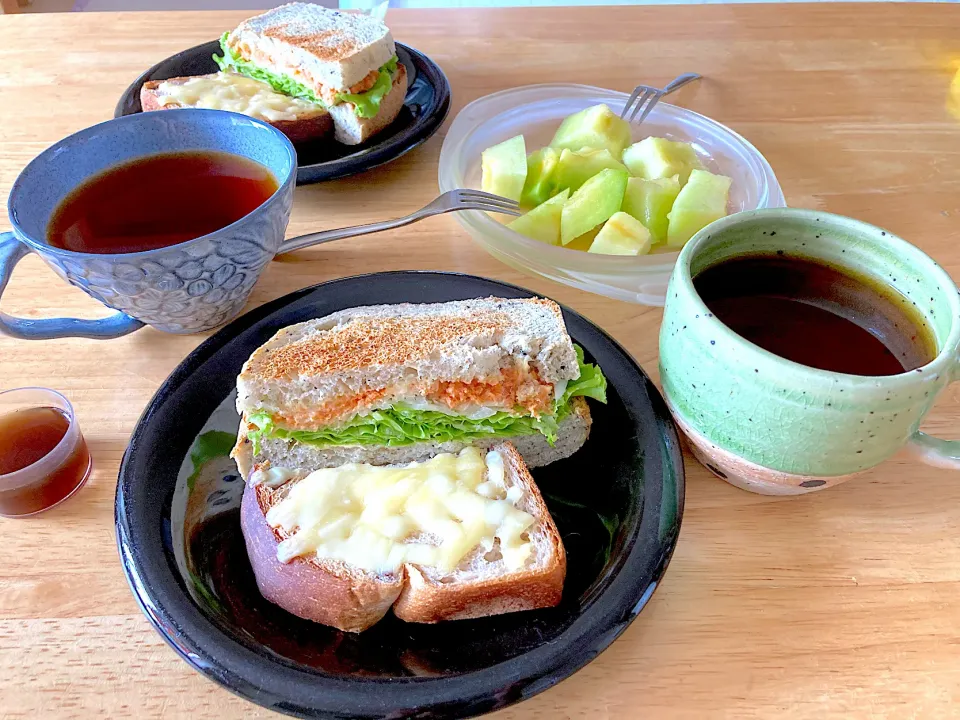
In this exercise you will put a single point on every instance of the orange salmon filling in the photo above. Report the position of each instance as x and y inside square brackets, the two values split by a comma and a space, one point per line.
[514, 388]
[330, 411]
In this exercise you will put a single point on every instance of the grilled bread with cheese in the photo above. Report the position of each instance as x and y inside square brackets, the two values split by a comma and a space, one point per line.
[456, 537]
[347, 62]
[300, 120]
[397, 383]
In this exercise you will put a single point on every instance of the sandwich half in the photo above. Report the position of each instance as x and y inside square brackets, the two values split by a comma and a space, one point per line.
[345, 62]
[399, 383]
[300, 120]
[451, 538]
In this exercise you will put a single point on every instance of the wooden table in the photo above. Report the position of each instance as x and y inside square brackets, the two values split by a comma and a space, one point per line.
[841, 604]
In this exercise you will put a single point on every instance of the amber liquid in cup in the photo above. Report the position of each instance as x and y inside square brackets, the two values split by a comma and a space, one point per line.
[43, 457]
[817, 315]
[196, 192]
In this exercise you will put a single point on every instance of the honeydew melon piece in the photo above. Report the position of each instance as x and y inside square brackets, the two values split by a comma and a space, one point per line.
[649, 201]
[541, 177]
[656, 157]
[503, 168]
[578, 166]
[596, 200]
[594, 127]
[543, 222]
[622, 234]
[701, 201]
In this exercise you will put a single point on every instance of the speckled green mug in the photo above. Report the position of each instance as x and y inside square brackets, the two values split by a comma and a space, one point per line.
[772, 426]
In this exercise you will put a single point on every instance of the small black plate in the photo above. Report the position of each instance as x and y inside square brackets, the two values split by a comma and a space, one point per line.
[617, 503]
[423, 112]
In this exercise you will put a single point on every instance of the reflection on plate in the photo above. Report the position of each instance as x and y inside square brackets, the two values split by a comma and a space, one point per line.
[617, 503]
[423, 112]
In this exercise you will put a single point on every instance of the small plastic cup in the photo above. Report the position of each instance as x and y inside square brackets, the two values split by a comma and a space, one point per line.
[55, 476]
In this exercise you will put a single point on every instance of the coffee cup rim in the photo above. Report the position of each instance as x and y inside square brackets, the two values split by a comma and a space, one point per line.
[943, 361]
[60, 145]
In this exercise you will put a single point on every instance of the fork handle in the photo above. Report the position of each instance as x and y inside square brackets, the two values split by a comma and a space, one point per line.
[434, 208]
[317, 238]
[679, 81]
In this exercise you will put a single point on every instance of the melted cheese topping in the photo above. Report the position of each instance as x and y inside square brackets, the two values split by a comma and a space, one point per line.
[271, 477]
[236, 93]
[432, 513]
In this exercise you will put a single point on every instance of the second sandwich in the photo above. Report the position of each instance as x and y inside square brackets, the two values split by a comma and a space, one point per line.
[344, 62]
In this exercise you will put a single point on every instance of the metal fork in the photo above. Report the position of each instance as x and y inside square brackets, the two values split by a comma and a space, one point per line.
[647, 96]
[452, 201]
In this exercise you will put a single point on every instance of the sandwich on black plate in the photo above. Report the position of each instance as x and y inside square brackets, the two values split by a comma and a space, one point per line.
[308, 61]
[385, 451]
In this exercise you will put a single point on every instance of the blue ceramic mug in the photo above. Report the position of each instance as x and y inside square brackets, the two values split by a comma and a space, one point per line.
[191, 287]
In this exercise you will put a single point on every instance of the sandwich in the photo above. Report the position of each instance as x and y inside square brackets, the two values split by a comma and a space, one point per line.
[391, 384]
[450, 538]
[345, 62]
[299, 119]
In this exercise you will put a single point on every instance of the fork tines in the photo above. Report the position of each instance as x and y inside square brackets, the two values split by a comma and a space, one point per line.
[480, 200]
[642, 100]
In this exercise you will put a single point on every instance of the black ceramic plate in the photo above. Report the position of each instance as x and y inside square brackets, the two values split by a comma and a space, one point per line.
[424, 110]
[617, 503]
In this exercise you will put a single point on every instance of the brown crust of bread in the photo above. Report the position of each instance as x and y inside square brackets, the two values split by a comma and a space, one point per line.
[314, 127]
[378, 341]
[423, 600]
[333, 594]
[327, 593]
[372, 341]
[390, 107]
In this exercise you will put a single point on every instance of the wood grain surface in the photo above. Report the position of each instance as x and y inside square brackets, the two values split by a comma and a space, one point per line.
[842, 604]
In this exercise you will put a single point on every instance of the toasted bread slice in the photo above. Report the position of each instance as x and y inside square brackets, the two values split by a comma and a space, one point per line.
[351, 599]
[350, 129]
[298, 119]
[370, 348]
[322, 48]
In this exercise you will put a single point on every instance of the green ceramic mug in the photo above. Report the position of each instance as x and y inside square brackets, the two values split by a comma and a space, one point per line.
[773, 426]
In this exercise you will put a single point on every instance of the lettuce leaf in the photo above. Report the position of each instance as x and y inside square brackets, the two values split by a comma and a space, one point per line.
[398, 426]
[401, 425]
[591, 382]
[281, 83]
[366, 104]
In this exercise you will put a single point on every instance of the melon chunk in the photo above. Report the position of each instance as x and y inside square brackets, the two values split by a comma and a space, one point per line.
[656, 157]
[543, 222]
[596, 200]
[595, 127]
[578, 166]
[503, 168]
[701, 201]
[541, 177]
[622, 234]
[649, 201]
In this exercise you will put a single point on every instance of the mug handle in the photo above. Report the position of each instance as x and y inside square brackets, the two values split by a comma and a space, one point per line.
[11, 252]
[935, 451]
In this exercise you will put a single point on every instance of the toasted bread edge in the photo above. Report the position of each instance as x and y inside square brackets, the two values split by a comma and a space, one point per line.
[423, 600]
[348, 601]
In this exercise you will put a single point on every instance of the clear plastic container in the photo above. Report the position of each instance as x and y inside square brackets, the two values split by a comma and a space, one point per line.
[32, 420]
[535, 111]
